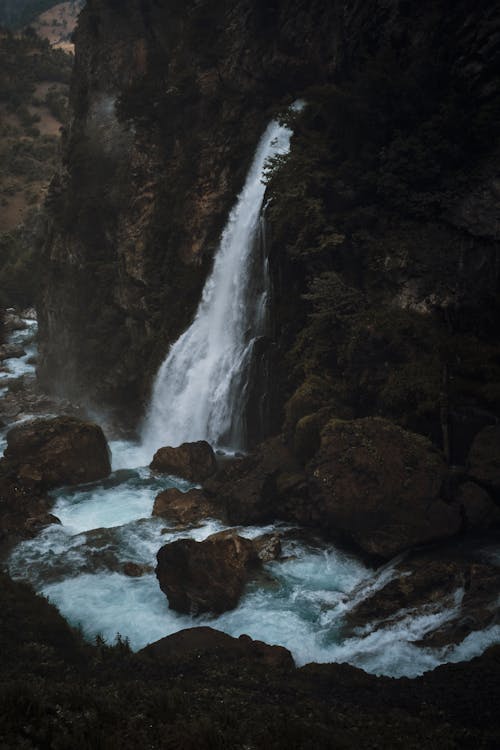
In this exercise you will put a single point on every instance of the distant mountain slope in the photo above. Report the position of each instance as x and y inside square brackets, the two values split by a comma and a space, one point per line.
[17, 13]
[33, 98]
[58, 23]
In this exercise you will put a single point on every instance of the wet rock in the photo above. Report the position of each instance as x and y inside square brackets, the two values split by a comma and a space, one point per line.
[479, 510]
[136, 570]
[13, 322]
[196, 643]
[379, 486]
[59, 451]
[11, 351]
[423, 585]
[193, 461]
[263, 486]
[24, 508]
[184, 507]
[484, 457]
[206, 576]
[268, 547]
[29, 313]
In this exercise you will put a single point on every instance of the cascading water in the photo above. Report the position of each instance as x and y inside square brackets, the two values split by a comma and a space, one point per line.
[199, 390]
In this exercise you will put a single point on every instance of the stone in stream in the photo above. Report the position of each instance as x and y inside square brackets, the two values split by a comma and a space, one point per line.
[57, 452]
[11, 351]
[380, 486]
[185, 508]
[206, 576]
[193, 461]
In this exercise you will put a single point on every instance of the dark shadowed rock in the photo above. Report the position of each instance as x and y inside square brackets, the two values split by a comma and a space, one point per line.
[479, 511]
[184, 507]
[8, 351]
[259, 487]
[205, 576]
[484, 457]
[55, 452]
[136, 570]
[196, 643]
[379, 485]
[193, 461]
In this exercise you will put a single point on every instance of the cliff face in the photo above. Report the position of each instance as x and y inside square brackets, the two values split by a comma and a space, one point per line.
[385, 216]
[169, 100]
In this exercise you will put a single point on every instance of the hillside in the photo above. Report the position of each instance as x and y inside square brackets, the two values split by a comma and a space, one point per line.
[58, 23]
[15, 14]
[34, 81]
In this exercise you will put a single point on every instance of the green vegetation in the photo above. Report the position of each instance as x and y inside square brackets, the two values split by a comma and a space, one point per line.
[33, 88]
[357, 211]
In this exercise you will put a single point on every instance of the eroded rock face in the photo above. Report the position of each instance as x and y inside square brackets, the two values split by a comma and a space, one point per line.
[185, 508]
[205, 576]
[193, 461]
[59, 451]
[379, 485]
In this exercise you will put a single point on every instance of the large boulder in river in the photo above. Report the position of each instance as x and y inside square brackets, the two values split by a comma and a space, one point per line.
[379, 486]
[265, 485]
[184, 508]
[193, 461]
[206, 576]
[59, 451]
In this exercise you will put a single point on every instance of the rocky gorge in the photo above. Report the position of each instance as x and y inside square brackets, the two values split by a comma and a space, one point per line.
[357, 519]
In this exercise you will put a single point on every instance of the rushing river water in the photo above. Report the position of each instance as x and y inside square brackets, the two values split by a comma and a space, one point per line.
[300, 603]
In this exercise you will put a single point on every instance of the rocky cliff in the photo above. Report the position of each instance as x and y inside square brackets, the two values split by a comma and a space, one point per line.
[383, 222]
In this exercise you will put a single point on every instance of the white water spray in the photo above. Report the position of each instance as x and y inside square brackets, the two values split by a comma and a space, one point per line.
[199, 390]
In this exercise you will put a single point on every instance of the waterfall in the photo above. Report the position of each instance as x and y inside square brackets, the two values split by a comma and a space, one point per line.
[199, 391]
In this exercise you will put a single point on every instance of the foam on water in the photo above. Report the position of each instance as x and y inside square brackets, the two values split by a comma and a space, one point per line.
[16, 367]
[300, 602]
[126, 496]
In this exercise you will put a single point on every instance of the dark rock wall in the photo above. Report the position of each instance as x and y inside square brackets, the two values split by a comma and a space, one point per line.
[391, 191]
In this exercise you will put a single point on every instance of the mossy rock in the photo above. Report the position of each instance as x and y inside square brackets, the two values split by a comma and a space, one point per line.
[314, 393]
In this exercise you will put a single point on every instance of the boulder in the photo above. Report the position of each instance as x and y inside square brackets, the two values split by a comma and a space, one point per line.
[268, 547]
[13, 322]
[206, 576]
[11, 351]
[57, 452]
[484, 457]
[193, 644]
[379, 486]
[136, 570]
[263, 486]
[184, 508]
[193, 461]
[479, 511]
